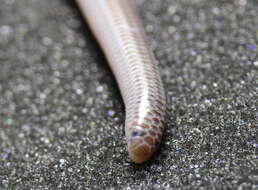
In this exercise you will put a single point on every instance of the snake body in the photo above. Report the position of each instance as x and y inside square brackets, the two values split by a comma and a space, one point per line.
[120, 34]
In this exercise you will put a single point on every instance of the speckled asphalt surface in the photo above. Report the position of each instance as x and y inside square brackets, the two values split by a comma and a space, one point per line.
[62, 116]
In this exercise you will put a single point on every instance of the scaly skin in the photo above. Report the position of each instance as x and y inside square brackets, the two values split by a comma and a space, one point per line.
[118, 30]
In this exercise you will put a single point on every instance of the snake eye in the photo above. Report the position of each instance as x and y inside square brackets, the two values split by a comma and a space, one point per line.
[138, 133]
[134, 134]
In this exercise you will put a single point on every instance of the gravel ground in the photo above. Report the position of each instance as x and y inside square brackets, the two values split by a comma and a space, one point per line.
[62, 116]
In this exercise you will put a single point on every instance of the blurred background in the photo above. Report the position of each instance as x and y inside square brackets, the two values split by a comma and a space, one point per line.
[62, 116]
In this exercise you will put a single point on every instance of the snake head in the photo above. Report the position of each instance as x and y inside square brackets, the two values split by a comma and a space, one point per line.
[139, 150]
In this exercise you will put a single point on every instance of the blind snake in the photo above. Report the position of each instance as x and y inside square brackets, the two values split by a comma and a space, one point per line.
[120, 34]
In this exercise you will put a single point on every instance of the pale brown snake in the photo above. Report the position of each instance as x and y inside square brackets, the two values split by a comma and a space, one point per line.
[120, 34]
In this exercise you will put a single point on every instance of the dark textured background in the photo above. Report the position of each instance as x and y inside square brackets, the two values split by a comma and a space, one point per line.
[61, 114]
